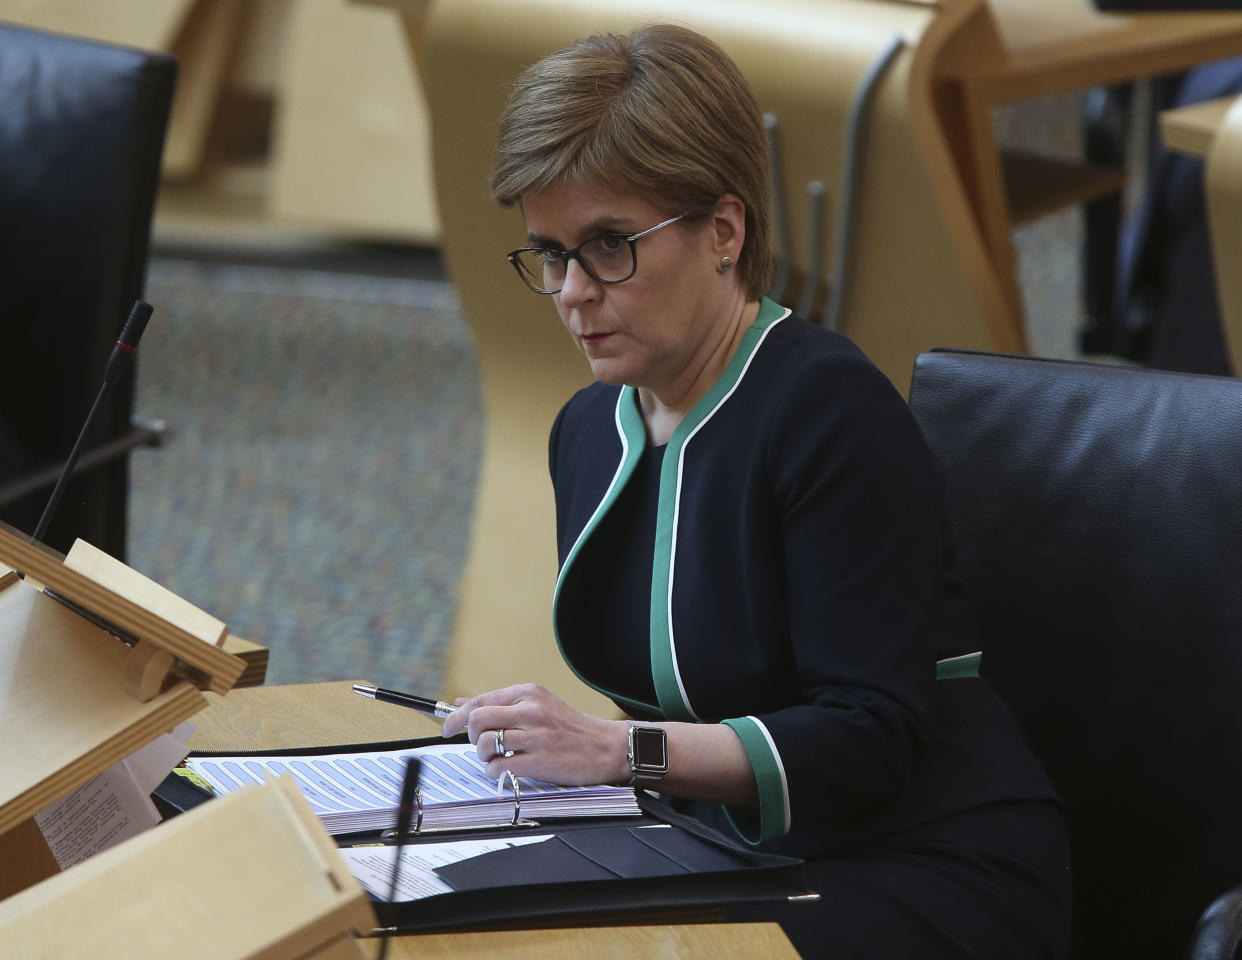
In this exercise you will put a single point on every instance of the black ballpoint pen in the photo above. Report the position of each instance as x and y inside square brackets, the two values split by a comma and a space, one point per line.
[437, 708]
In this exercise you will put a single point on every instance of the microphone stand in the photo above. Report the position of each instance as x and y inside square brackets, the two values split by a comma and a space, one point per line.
[118, 364]
[405, 813]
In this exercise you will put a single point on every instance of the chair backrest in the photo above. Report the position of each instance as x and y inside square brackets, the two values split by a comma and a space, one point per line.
[81, 133]
[1098, 515]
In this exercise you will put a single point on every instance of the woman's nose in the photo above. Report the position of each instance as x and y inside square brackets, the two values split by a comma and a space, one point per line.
[579, 287]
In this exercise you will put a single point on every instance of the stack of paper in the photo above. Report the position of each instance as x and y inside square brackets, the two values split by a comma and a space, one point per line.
[356, 792]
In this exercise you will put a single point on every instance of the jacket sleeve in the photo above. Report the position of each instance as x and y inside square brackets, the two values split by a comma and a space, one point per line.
[864, 564]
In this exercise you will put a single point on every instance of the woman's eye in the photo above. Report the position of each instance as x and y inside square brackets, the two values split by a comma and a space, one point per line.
[613, 243]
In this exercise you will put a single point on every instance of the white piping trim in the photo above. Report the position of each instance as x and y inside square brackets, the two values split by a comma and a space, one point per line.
[681, 464]
[780, 765]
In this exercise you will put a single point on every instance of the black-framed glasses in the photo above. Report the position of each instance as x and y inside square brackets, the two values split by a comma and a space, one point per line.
[610, 258]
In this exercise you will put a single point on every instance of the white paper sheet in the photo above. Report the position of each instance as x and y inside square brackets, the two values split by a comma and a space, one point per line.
[113, 806]
[373, 865]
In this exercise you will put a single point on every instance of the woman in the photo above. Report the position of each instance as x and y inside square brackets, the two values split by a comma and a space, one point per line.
[754, 561]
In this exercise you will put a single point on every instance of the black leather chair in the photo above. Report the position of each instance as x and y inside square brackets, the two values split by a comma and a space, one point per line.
[82, 129]
[1098, 515]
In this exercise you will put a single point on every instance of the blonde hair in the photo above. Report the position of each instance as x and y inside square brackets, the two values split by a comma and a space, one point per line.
[661, 112]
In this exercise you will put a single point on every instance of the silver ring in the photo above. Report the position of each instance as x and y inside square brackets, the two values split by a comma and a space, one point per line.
[499, 737]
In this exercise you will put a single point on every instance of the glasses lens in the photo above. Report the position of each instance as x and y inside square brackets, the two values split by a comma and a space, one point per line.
[611, 258]
[542, 269]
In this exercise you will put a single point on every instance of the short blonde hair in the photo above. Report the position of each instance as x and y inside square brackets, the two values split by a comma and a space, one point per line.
[661, 112]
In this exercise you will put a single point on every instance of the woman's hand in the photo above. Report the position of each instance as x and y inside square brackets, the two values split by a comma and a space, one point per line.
[543, 737]
[552, 741]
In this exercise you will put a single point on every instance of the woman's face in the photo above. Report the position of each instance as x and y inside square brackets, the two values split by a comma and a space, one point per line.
[648, 330]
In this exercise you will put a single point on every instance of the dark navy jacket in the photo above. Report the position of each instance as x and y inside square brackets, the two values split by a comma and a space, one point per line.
[783, 568]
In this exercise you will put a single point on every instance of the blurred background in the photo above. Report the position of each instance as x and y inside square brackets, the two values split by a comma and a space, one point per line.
[308, 353]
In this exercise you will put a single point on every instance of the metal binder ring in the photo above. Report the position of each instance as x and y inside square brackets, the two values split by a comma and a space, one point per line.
[418, 809]
[517, 795]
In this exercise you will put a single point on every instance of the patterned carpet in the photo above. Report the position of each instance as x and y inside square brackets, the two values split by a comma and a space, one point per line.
[317, 488]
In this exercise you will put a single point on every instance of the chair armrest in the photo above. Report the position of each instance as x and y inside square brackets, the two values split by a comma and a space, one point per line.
[141, 433]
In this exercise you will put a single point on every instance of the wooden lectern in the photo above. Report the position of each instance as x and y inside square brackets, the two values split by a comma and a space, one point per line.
[98, 661]
[249, 874]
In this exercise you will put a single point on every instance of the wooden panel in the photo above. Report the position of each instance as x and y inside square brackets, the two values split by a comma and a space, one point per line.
[1023, 25]
[149, 24]
[26, 858]
[740, 941]
[1223, 182]
[250, 874]
[253, 655]
[1150, 44]
[124, 581]
[63, 708]
[219, 670]
[1036, 186]
[204, 49]
[350, 146]
[261, 41]
[1191, 130]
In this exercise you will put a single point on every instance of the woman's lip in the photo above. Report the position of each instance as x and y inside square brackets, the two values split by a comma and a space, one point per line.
[595, 337]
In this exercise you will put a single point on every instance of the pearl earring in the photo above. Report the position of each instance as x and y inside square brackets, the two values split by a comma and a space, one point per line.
[726, 263]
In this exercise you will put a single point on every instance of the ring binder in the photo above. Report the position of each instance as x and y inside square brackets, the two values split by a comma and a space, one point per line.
[418, 830]
[517, 795]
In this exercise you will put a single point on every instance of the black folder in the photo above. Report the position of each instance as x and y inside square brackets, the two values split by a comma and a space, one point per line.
[658, 867]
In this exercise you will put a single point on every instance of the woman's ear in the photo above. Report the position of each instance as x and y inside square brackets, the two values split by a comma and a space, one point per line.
[728, 226]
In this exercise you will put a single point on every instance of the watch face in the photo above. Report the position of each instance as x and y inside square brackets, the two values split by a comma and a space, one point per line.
[650, 749]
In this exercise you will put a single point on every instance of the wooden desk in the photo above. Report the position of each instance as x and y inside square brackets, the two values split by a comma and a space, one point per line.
[1213, 130]
[686, 942]
[1191, 130]
[303, 715]
[1010, 50]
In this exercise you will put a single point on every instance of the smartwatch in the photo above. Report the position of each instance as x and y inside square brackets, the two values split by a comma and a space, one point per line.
[647, 749]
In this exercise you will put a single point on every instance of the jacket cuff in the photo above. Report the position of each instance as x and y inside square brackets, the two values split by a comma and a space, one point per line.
[765, 761]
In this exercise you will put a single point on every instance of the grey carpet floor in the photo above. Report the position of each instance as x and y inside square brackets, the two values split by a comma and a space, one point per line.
[316, 491]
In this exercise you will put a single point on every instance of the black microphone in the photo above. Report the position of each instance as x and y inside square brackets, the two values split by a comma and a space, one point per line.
[126, 345]
[405, 814]
[118, 365]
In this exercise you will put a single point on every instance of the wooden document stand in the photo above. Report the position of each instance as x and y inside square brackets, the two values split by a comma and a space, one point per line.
[251, 874]
[74, 698]
[95, 662]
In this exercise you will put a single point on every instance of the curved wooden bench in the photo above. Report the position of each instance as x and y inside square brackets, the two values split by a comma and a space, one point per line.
[918, 276]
